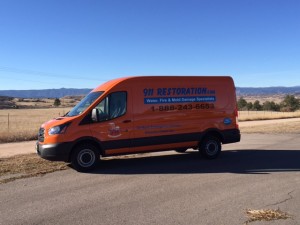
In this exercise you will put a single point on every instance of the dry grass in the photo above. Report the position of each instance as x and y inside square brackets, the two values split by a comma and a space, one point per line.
[23, 166]
[275, 128]
[24, 124]
[18, 136]
[266, 115]
[266, 215]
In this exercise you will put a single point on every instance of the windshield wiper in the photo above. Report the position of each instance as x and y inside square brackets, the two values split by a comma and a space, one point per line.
[66, 115]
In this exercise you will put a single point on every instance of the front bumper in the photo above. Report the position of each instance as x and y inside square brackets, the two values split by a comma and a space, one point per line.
[54, 152]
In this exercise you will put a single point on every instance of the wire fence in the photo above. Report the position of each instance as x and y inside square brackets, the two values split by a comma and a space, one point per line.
[260, 115]
[24, 120]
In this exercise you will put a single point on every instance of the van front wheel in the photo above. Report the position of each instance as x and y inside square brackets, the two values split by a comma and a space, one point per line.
[85, 157]
[210, 147]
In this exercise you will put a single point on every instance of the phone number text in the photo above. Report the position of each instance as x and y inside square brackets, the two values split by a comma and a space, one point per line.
[182, 107]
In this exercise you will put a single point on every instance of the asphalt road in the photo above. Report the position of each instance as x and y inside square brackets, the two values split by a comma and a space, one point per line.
[260, 172]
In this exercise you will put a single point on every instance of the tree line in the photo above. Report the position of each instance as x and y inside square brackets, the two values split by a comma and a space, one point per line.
[289, 104]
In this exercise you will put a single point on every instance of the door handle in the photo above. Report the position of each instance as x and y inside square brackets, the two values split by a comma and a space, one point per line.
[126, 121]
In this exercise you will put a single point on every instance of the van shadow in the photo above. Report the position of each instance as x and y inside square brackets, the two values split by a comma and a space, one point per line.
[230, 161]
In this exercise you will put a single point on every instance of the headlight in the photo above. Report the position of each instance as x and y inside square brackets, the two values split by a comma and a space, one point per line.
[58, 129]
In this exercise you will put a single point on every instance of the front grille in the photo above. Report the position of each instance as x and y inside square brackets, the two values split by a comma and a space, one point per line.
[41, 135]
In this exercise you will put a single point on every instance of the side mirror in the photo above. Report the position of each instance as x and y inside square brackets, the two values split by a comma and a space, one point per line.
[95, 113]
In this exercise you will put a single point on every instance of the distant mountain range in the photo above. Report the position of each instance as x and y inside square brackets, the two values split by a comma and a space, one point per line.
[244, 91]
[45, 93]
[58, 93]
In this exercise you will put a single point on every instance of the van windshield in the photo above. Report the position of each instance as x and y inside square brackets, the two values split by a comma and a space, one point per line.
[84, 103]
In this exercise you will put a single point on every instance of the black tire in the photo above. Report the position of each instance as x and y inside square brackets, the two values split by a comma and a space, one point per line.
[181, 150]
[85, 157]
[210, 147]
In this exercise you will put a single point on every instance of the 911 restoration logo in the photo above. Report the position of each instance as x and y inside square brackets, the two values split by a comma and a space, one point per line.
[176, 99]
[178, 95]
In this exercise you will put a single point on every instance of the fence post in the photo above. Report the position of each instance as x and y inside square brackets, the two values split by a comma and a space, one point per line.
[8, 122]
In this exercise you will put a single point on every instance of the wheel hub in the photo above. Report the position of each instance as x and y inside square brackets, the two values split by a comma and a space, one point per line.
[86, 158]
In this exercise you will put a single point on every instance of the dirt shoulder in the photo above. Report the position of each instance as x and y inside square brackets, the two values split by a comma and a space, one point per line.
[17, 148]
[27, 165]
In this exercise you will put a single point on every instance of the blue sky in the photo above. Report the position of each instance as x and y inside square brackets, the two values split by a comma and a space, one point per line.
[80, 44]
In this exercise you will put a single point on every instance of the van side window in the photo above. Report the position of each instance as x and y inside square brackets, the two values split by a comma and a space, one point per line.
[113, 106]
[117, 104]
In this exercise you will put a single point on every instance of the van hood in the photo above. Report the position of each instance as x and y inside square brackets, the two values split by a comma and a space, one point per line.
[57, 121]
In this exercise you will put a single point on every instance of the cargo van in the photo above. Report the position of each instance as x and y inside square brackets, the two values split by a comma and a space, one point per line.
[144, 114]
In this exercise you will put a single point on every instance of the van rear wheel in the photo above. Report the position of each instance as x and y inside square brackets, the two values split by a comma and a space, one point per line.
[85, 157]
[210, 147]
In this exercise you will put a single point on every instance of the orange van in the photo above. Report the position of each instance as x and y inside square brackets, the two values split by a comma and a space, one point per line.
[144, 114]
